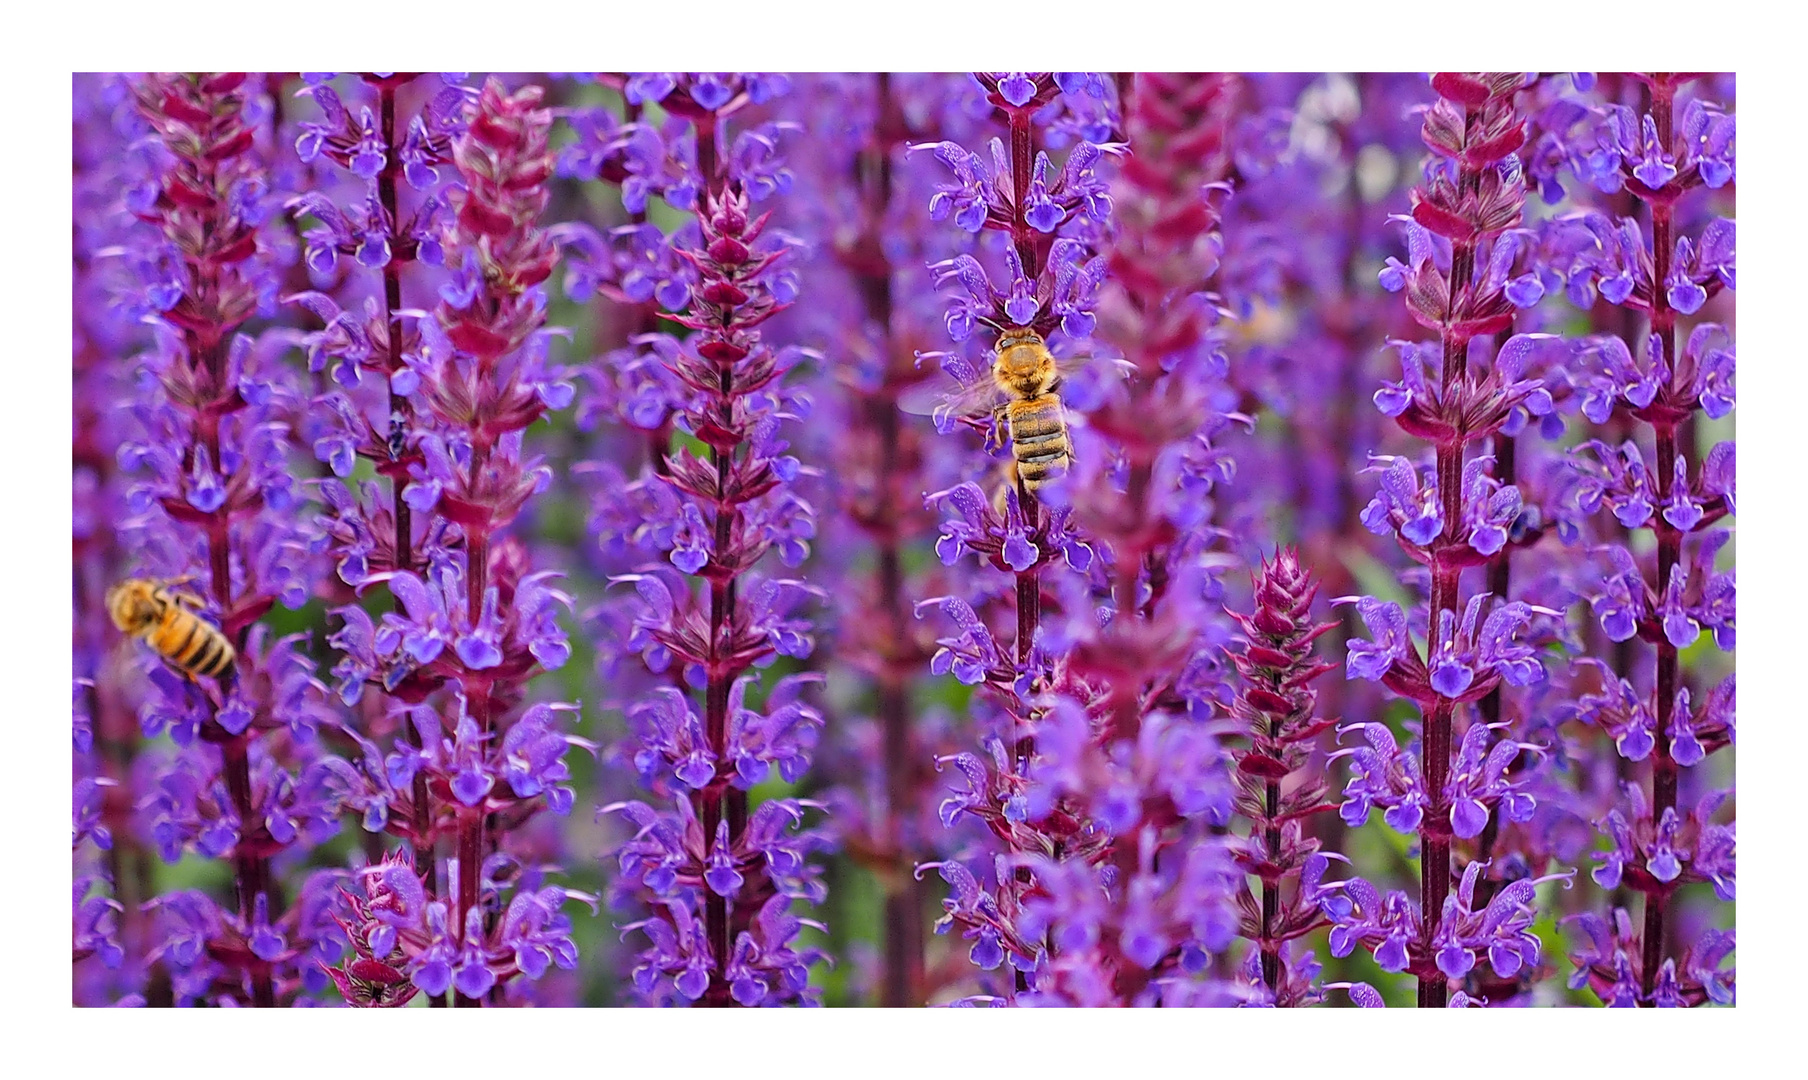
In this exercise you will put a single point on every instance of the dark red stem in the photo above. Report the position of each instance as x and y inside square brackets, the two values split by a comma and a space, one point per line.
[1029, 583]
[398, 413]
[1271, 890]
[719, 803]
[251, 870]
[1434, 835]
[1664, 773]
[1023, 160]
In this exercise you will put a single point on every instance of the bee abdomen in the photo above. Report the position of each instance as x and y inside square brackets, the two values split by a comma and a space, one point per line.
[1038, 418]
[1039, 440]
[216, 658]
[1041, 447]
[190, 643]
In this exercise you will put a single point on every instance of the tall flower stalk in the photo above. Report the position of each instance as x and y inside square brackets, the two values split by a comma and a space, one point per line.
[1150, 676]
[473, 624]
[1111, 889]
[720, 874]
[903, 979]
[851, 201]
[1662, 156]
[109, 931]
[1457, 517]
[217, 505]
[1681, 276]
[373, 234]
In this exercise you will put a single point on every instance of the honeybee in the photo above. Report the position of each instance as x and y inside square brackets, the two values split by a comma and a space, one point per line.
[1026, 410]
[166, 620]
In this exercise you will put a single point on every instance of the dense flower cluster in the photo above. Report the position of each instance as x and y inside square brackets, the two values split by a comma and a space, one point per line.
[472, 623]
[1670, 157]
[1461, 282]
[717, 872]
[370, 539]
[212, 502]
[913, 577]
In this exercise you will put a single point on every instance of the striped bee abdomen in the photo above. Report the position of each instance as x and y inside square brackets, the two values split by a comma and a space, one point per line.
[1038, 439]
[191, 643]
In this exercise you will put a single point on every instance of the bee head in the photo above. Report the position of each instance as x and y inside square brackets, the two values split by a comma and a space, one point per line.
[1019, 335]
[132, 605]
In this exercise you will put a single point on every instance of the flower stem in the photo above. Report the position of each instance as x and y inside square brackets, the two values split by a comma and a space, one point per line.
[470, 870]
[471, 822]
[1669, 539]
[398, 418]
[1434, 834]
[720, 803]
[902, 984]
[715, 712]
[1271, 890]
[1434, 837]
[1023, 159]
[251, 869]
[1029, 583]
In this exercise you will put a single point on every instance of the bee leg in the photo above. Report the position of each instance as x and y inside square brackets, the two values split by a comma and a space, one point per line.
[184, 596]
[996, 438]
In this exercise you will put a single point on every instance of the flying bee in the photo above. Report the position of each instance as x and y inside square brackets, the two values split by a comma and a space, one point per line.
[166, 620]
[1023, 399]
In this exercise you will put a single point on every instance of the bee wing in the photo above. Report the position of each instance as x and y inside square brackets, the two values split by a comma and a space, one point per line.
[1103, 368]
[944, 398]
[1088, 381]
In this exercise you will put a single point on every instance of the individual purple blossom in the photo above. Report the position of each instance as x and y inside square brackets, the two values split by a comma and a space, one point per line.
[1465, 661]
[1389, 927]
[96, 920]
[1428, 410]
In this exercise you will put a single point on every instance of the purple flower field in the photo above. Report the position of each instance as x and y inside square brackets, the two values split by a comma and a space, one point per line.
[986, 539]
